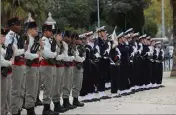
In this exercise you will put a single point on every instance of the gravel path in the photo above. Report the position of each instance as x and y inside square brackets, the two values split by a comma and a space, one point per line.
[155, 101]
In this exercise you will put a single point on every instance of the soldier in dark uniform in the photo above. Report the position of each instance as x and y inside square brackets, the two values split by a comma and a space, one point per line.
[159, 64]
[88, 86]
[149, 65]
[138, 66]
[115, 56]
[124, 49]
[132, 48]
[103, 49]
[133, 60]
[145, 58]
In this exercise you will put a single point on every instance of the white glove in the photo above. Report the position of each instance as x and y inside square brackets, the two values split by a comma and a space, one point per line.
[66, 58]
[79, 59]
[132, 54]
[72, 58]
[139, 51]
[148, 53]
[97, 55]
[55, 54]
[59, 57]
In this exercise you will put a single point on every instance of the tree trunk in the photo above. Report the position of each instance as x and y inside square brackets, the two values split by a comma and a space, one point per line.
[173, 72]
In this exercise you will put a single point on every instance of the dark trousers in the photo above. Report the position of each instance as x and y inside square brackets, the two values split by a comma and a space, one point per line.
[88, 78]
[131, 74]
[102, 73]
[138, 71]
[154, 72]
[115, 78]
[159, 73]
[124, 79]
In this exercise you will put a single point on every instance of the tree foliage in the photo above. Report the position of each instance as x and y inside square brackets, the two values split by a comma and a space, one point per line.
[82, 14]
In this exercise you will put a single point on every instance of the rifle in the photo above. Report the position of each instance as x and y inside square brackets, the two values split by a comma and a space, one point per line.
[8, 56]
[34, 49]
[53, 49]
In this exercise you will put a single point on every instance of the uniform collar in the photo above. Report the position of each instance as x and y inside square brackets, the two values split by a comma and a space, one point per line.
[12, 33]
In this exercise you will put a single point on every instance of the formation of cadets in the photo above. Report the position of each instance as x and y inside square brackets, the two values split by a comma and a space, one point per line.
[75, 66]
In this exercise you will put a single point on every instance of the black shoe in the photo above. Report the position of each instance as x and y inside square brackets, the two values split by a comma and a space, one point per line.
[59, 108]
[30, 111]
[48, 111]
[38, 102]
[105, 97]
[67, 104]
[95, 99]
[77, 103]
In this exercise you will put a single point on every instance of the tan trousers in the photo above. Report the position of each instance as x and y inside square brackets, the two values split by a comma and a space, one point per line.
[58, 84]
[77, 82]
[32, 83]
[48, 74]
[68, 81]
[18, 88]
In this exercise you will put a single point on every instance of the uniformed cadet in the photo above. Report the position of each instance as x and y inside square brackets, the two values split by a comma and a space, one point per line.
[102, 48]
[60, 66]
[78, 69]
[90, 71]
[6, 71]
[152, 60]
[133, 60]
[138, 66]
[115, 56]
[149, 65]
[68, 70]
[32, 65]
[124, 49]
[18, 79]
[131, 76]
[145, 56]
[160, 58]
[48, 68]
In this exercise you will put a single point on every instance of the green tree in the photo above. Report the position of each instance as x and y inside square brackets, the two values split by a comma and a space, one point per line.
[126, 13]
[20, 8]
[173, 72]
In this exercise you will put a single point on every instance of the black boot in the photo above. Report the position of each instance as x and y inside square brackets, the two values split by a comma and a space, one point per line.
[59, 108]
[77, 103]
[30, 111]
[67, 104]
[48, 111]
[38, 102]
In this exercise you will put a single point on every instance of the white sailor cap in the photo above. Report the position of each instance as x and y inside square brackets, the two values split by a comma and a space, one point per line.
[82, 36]
[89, 33]
[136, 34]
[128, 36]
[129, 30]
[143, 36]
[120, 35]
[148, 38]
[101, 29]
[86, 34]
[158, 42]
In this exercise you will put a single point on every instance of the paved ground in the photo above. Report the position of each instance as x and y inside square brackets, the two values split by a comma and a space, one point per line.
[155, 101]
